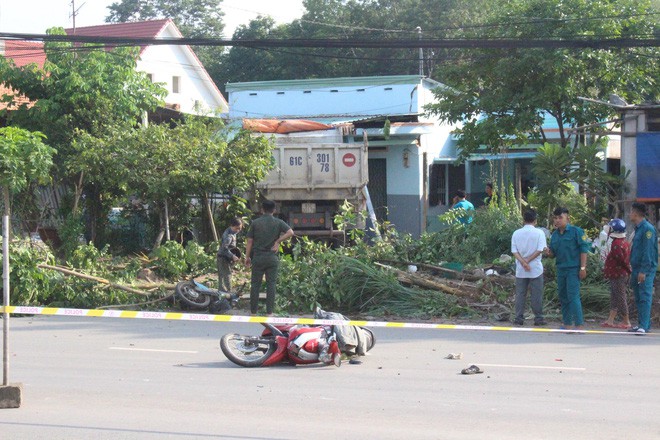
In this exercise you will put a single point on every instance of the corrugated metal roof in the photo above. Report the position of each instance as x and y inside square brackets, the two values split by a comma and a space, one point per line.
[316, 83]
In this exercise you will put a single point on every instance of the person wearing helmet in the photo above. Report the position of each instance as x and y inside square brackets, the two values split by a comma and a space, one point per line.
[617, 270]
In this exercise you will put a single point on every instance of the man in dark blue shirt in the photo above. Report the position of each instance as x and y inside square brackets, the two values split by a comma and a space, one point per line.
[568, 244]
[644, 263]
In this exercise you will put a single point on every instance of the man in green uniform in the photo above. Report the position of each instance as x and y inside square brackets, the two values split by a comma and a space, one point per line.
[644, 263]
[263, 243]
[569, 246]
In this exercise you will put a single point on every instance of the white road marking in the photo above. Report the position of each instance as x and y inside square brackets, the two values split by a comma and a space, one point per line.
[151, 350]
[538, 367]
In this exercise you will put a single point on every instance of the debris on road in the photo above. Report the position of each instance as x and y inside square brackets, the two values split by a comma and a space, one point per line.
[472, 369]
[455, 356]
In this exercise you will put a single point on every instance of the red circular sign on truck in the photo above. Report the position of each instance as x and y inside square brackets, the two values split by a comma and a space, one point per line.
[349, 159]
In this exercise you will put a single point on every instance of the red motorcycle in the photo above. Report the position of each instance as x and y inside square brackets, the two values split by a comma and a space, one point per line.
[298, 344]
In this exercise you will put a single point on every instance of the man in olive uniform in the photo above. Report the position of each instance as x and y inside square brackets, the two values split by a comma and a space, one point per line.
[569, 246]
[644, 263]
[226, 257]
[263, 243]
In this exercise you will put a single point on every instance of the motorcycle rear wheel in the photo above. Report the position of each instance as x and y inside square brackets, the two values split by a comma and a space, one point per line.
[190, 297]
[243, 351]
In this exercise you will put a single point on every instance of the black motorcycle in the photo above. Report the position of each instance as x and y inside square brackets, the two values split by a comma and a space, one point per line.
[195, 295]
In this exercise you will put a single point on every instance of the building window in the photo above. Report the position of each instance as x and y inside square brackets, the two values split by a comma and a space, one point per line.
[334, 91]
[307, 91]
[253, 94]
[280, 93]
[176, 84]
[388, 88]
[360, 90]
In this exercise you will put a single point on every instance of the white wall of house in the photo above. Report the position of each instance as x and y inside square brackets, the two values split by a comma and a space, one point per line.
[186, 81]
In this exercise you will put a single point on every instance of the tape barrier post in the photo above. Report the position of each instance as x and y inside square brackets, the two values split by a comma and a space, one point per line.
[179, 316]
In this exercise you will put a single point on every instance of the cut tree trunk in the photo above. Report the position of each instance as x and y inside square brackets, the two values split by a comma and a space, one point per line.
[419, 281]
[93, 278]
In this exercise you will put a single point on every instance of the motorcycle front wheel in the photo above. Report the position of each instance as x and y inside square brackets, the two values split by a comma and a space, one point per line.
[247, 351]
[190, 297]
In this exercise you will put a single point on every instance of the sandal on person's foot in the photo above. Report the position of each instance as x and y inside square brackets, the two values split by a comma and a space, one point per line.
[622, 326]
[472, 369]
[608, 325]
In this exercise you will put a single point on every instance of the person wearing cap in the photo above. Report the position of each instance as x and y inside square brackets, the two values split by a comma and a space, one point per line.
[569, 246]
[617, 270]
[644, 263]
[227, 254]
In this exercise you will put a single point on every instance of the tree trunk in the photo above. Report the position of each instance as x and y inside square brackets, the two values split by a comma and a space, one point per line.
[78, 193]
[209, 213]
[161, 232]
[167, 221]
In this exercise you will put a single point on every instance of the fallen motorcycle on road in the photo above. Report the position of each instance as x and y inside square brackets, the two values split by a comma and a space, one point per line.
[195, 295]
[299, 344]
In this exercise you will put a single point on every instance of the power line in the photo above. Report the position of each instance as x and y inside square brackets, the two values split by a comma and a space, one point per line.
[458, 43]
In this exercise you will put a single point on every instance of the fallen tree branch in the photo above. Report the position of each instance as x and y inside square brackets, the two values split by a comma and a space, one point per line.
[93, 278]
[409, 278]
[139, 304]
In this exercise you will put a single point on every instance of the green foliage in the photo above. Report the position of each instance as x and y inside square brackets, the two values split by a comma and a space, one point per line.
[479, 242]
[29, 284]
[504, 96]
[377, 19]
[171, 259]
[23, 158]
[559, 169]
[70, 233]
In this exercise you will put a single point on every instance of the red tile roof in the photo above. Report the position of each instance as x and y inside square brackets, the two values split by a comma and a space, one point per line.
[22, 53]
[137, 29]
[25, 52]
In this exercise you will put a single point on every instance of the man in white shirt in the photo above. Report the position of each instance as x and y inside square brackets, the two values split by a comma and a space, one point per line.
[527, 246]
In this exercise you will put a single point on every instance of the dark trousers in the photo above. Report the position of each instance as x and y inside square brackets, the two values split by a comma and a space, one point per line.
[264, 265]
[536, 287]
[224, 274]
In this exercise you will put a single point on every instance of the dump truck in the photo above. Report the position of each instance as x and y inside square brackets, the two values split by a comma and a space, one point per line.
[315, 172]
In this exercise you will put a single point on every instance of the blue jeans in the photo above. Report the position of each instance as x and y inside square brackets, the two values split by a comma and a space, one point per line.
[568, 288]
[643, 298]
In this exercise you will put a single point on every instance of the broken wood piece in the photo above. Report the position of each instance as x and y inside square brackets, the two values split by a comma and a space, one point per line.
[99, 280]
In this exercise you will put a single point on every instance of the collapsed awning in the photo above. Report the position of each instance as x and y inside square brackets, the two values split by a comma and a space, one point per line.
[283, 126]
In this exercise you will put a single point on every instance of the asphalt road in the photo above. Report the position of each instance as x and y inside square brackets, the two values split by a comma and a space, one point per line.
[95, 378]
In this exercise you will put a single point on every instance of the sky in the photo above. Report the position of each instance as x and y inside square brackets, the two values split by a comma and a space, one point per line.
[35, 16]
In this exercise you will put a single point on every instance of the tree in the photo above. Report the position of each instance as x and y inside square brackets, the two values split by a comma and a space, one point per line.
[194, 18]
[377, 19]
[166, 166]
[23, 158]
[503, 97]
[81, 91]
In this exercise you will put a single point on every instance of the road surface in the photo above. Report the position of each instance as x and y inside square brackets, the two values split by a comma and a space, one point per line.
[100, 378]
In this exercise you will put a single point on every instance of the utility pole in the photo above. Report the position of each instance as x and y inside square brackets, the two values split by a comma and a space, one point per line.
[421, 52]
[74, 12]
